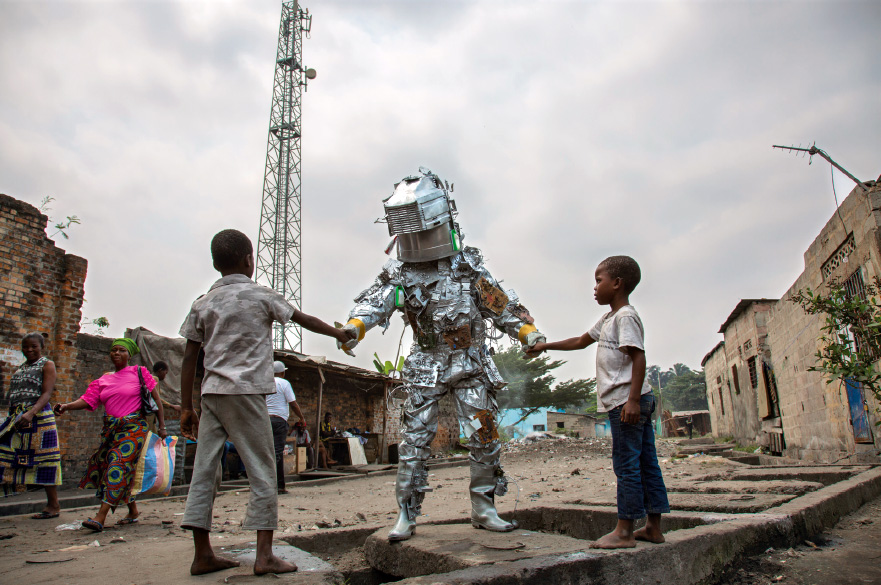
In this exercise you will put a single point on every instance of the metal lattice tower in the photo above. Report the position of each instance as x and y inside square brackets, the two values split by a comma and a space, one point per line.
[278, 244]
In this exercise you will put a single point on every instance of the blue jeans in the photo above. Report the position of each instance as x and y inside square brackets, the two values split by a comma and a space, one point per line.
[641, 487]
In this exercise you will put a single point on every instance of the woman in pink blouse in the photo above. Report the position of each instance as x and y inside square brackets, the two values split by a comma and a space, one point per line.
[112, 467]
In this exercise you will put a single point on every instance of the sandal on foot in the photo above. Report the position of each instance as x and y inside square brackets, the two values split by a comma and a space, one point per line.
[45, 515]
[126, 521]
[93, 525]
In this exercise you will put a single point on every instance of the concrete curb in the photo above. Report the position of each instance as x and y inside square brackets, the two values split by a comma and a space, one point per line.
[690, 556]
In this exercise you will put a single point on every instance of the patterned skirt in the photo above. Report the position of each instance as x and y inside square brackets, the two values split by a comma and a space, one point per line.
[112, 467]
[29, 456]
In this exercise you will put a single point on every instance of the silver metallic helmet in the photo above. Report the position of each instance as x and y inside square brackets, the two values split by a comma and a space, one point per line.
[421, 215]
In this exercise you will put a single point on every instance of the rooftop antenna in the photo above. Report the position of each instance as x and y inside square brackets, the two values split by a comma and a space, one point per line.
[279, 262]
[814, 150]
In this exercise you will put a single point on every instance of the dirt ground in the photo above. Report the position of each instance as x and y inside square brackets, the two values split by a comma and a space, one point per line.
[156, 550]
[848, 554]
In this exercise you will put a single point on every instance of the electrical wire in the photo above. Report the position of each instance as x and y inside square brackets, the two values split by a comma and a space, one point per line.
[835, 195]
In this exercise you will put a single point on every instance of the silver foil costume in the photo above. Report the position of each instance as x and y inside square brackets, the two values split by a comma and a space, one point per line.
[448, 297]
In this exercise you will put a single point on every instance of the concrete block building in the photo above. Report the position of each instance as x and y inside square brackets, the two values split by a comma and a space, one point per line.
[584, 425]
[741, 390]
[759, 382]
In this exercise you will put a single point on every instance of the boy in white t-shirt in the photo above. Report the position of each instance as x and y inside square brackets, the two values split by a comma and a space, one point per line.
[623, 392]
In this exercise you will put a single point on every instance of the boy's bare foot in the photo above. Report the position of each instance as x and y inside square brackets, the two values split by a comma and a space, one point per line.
[273, 565]
[203, 565]
[614, 540]
[649, 535]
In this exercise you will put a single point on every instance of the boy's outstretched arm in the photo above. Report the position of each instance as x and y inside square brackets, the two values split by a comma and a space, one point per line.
[316, 325]
[189, 420]
[630, 412]
[570, 344]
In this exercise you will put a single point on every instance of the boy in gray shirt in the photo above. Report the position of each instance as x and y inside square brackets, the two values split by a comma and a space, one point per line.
[623, 392]
[233, 324]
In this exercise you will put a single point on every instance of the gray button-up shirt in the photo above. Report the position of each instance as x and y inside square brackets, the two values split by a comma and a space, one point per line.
[233, 322]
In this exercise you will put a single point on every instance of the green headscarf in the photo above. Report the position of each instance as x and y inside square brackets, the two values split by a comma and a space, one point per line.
[128, 344]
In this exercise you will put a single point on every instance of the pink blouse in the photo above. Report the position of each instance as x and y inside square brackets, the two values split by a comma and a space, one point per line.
[119, 392]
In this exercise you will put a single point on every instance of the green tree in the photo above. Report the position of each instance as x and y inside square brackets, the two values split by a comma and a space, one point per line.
[681, 387]
[531, 385]
[851, 339]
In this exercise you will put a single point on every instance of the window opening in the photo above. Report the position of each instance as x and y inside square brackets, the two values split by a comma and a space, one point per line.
[753, 374]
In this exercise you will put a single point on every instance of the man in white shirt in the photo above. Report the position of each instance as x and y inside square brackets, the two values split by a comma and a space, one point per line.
[279, 411]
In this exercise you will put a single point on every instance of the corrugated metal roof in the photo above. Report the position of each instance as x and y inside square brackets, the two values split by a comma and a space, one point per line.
[326, 365]
[679, 413]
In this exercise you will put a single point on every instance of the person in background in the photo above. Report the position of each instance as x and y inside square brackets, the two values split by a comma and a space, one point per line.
[304, 440]
[689, 425]
[30, 430]
[111, 468]
[326, 432]
[279, 411]
[160, 369]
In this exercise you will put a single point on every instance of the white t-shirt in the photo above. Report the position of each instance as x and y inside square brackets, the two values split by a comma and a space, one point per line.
[277, 404]
[614, 332]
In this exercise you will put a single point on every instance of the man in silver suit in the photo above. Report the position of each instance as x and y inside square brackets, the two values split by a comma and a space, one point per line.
[449, 299]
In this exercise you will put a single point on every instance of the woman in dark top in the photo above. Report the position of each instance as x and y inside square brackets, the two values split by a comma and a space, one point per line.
[29, 453]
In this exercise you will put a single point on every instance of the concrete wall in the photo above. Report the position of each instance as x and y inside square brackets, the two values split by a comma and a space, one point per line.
[736, 388]
[719, 393]
[584, 425]
[815, 415]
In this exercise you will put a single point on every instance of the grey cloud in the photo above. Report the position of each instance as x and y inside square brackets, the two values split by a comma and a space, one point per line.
[571, 130]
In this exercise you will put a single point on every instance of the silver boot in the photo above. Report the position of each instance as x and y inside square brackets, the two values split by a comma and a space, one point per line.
[405, 527]
[410, 487]
[486, 482]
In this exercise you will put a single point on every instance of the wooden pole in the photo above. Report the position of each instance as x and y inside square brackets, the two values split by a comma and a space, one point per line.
[384, 421]
[318, 415]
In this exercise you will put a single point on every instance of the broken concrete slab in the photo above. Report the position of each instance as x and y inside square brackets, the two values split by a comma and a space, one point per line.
[705, 448]
[690, 555]
[441, 549]
[827, 475]
[723, 503]
[791, 487]
[697, 441]
[306, 562]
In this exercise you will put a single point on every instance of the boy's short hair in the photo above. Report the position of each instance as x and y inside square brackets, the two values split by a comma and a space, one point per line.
[229, 248]
[625, 268]
[159, 366]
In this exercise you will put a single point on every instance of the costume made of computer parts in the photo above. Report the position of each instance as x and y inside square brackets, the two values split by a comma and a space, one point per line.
[449, 299]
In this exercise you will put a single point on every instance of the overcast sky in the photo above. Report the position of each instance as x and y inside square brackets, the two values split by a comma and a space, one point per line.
[572, 131]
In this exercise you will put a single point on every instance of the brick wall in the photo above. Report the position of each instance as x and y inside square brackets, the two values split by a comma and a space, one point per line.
[360, 403]
[79, 432]
[41, 290]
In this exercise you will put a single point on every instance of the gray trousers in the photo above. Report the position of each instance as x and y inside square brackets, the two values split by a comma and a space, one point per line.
[242, 419]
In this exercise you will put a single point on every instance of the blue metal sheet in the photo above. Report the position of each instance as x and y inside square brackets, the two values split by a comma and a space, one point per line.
[859, 419]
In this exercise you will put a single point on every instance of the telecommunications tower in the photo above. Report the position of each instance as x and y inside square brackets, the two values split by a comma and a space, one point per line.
[278, 244]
